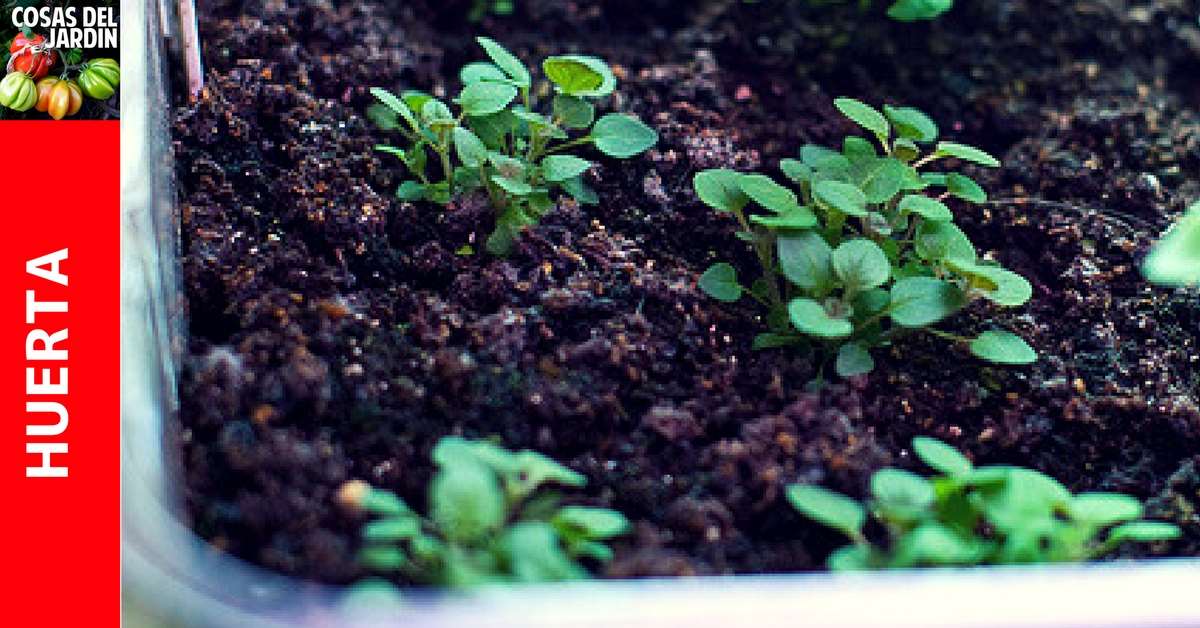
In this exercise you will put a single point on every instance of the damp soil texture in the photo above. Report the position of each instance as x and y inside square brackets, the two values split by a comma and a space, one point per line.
[335, 334]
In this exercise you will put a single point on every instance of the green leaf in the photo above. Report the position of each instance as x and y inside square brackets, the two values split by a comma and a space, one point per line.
[573, 112]
[797, 171]
[795, 218]
[766, 192]
[411, 191]
[383, 117]
[804, 258]
[556, 168]
[775, 341]
[1006, 287]
[912, 10]
[509, 167]
[828, 507]
[466, 502]
[911, 123]
[901, 492]
[391, 529]
[824, 160]
[880, 179]
[395, 104]
[580, 191]
[934, 544]
[512, 186]
[506, 61]
[864, 115]
[415, 100]
[811, 318]
[720, 189]
[481, 71]
[859, 151]
[851, 557]
[905, 150]
[452, 450]
[843, 197]
[720, 282]
[623, 136]
[922, 301]
[853, 359]
[493, 129]
[1003, 347]
[471, 150]
[579, 75]
[483, 98]
[380, 502]
[1175, 260]
[508, 225]
[925, 207]
[937, 241]
[966, 153]
[537, 469]
[1102, 509]
[534, 553]
[1144, 532]
[941, 457]
[382, 557]
[436, 114]
[861, 264]
[592, 523]
[964, 187]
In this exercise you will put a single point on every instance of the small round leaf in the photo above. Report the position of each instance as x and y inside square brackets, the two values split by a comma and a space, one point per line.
[828, 507]
[853, 359]
[966, 153]
[720, 189]
[1003, 347]
[557, 168]
[843, 197]
[811, 318]
[483, 98]
[861, 263]
[622, 136]
[579, 75]
[925, 207]
[863, 115]
[940, 456]
[911, 123]
[720, 282]
[921, 301]
[766, 192]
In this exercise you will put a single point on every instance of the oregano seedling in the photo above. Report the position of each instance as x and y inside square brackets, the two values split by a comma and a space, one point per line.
[970, 515]
[863, 245]
[491, 519]
[500, 142]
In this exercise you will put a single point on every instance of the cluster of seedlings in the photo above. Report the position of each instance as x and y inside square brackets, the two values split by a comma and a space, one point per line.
[860, 248]
[968, 515]
[499, 142]
[491, 519]
[866, 248]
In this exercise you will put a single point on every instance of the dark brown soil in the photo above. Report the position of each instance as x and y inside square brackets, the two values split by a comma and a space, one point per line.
[335, 334]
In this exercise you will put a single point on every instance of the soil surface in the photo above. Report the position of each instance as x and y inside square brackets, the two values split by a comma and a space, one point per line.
[336, 335]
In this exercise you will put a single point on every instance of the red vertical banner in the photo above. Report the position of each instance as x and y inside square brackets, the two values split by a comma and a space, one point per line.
[60, 280]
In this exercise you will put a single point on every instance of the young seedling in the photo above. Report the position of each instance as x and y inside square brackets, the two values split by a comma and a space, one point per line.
[865, 246]
[1175, 261]
[972, 515]
[905, 10]
[481, 8]
[503, 143]
[490, 520]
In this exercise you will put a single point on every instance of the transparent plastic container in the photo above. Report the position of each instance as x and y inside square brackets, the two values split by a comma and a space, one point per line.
[171, 574]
